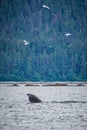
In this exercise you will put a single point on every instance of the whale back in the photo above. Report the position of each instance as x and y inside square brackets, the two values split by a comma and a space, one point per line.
[33, 98]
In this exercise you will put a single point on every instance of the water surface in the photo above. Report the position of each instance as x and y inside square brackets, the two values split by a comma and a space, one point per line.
[63, 108]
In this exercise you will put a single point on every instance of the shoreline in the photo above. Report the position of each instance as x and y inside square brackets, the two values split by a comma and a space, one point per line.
[26, 84]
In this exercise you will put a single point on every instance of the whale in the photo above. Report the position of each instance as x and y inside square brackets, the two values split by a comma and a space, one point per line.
[33, 98]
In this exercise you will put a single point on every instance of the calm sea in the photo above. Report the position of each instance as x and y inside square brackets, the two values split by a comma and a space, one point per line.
[63, 108]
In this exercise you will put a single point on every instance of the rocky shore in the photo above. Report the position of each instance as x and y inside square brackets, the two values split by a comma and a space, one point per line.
[43, 84]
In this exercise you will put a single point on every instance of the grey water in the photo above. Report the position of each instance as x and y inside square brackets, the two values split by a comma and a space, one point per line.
[63, 108]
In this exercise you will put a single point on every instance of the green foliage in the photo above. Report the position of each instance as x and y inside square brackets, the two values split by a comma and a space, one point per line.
[50, 55]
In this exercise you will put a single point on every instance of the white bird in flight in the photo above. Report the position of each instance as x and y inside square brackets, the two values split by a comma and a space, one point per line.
[45, 6]
[25, 42]
[68, 34]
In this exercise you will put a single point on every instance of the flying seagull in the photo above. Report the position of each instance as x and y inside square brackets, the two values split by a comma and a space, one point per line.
[68, 34]
[25, 42]
[45, 6]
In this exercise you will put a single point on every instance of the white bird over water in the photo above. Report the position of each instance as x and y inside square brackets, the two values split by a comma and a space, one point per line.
[68, 34]
[45, 6]
[25, 42]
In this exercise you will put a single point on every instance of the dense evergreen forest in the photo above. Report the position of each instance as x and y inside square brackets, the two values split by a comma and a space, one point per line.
[57, 37]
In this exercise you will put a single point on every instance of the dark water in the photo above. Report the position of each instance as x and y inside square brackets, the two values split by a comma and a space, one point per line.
[63, 108]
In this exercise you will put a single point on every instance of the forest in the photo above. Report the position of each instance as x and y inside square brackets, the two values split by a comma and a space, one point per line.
[56, 35]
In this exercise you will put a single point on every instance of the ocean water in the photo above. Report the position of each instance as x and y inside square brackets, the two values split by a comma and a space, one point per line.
[63, 108]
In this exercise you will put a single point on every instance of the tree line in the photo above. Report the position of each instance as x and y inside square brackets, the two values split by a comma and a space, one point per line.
[51, 55]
